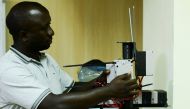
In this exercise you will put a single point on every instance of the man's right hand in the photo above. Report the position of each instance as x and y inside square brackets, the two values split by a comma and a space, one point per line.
[123, 86]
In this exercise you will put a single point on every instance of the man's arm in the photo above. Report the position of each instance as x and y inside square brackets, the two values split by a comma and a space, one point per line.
[121, 86]
[78, 100]
[82, 86]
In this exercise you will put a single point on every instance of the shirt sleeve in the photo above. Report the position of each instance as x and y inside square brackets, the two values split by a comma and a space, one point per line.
[19, 86]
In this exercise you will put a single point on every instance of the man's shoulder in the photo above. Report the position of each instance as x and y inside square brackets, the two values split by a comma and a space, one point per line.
[9, 60]
[9, 56]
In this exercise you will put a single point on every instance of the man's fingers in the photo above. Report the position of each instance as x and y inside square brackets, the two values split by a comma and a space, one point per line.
[106, 72]
[131, 82]
[125, 76]
[135, 86]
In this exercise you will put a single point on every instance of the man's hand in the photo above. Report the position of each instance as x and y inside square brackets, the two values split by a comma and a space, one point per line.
[123, 86]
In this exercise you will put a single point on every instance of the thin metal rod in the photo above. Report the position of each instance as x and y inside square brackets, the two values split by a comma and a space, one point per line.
[76, 65]
[134, 23]
[73, 65]
[147, 85]
[131, 25]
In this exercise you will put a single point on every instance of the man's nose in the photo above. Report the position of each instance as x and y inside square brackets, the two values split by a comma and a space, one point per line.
[50, 31]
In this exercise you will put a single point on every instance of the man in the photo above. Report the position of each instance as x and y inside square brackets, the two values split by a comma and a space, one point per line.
[33, 80]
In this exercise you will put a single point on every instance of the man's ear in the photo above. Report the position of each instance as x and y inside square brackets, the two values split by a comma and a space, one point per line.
[23, 36]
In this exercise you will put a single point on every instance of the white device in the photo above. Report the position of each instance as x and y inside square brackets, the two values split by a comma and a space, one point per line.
[120, 67]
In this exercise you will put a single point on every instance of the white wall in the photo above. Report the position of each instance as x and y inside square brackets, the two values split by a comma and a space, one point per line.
[158, 37]
[2, 28]
[181, 54]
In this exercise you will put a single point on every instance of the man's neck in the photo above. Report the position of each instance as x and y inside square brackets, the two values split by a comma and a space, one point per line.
[28, 52]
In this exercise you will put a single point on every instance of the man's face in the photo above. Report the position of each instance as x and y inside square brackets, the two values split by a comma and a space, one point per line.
[39, 33]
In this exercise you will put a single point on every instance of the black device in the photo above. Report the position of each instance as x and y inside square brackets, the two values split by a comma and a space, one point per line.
[152, 98]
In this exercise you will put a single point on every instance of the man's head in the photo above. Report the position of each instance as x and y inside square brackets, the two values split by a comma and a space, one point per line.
[29, 24]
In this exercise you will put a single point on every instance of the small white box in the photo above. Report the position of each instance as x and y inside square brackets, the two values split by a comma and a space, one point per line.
[120, 67]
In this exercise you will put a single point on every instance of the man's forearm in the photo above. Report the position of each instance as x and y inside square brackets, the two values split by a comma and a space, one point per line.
[82, 86]
[78, 100]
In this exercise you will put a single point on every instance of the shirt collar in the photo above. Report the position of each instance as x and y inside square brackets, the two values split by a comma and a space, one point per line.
[26, 58]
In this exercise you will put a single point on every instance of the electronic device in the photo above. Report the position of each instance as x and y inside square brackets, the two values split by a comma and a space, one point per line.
[133, 62]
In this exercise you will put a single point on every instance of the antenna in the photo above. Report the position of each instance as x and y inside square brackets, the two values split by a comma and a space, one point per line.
[132, 21]
[131, 25]
[132, 29]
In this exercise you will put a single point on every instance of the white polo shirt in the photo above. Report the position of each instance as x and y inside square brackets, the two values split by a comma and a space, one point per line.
[25, 82]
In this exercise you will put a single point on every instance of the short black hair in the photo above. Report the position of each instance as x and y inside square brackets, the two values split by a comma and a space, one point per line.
[17, 16]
